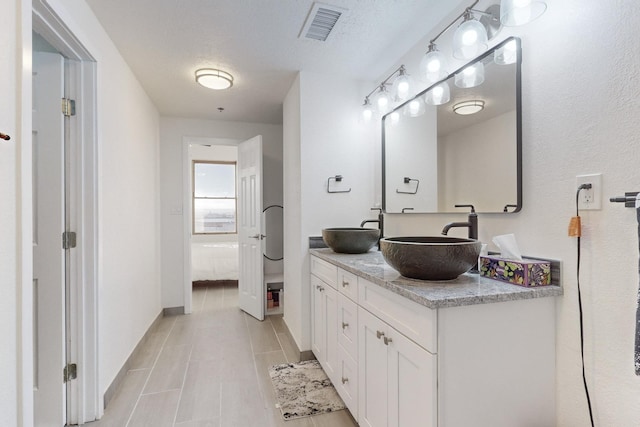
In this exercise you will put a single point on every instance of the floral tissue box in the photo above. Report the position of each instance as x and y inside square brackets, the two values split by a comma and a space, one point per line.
[527, 272]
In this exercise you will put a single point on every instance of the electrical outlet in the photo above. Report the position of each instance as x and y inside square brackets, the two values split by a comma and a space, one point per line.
[590, 199]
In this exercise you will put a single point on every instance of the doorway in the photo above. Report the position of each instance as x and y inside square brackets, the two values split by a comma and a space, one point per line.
[213, 234]
[251, 289]
[65, 322]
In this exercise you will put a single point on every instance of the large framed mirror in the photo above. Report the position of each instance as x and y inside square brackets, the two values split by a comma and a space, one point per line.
[459, 141]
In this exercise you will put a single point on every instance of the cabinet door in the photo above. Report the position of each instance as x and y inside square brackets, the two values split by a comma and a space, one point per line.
[347, 383]
[372, 371]
[318, 328]
[412, 383]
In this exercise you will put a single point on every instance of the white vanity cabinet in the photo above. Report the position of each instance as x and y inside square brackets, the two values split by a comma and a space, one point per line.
[397, 378]
[469, 353]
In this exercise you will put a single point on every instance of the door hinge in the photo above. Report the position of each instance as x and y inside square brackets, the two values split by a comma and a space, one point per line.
[70, 372]
[68, 240]
[68, 107]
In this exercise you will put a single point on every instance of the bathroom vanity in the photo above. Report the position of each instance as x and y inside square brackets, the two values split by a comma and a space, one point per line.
[461, 353]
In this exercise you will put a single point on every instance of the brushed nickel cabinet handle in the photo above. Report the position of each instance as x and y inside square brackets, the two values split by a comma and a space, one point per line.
[345, 380]
[379, 334]
[345, 283]
[345, 325]
[387, 340]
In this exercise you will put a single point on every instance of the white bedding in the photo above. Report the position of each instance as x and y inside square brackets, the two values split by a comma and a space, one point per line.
[214, 261]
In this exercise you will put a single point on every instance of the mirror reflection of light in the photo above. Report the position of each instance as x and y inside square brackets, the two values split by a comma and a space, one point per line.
[394, 118]
[438, 95]
[507, 54]
[471, 76]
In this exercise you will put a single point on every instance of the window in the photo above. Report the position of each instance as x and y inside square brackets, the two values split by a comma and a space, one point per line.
[214, 197]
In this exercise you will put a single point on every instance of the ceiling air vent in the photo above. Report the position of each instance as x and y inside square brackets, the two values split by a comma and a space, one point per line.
[321, 20]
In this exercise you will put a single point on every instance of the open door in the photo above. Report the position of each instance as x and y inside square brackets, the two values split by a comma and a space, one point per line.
[48, 226]
[250, 275]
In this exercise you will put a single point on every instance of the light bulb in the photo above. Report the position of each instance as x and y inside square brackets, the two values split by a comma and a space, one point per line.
[367, 110]
[383, 100]
[432, 66]
[402, 86]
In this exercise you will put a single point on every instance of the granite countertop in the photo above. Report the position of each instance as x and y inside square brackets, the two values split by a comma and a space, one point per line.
[468, 289]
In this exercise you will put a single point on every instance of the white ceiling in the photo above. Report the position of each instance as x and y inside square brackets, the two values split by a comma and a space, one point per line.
[165, 41]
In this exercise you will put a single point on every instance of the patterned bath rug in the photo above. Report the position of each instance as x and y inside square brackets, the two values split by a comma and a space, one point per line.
[303, 389]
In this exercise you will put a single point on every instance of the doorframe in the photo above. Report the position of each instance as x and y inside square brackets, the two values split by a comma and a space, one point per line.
[84, 393]
[187, 213]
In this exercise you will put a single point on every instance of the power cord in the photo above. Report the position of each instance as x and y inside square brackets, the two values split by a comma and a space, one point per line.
[575, 231]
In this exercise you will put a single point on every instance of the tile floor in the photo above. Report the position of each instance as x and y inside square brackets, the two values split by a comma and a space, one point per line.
[209, 369]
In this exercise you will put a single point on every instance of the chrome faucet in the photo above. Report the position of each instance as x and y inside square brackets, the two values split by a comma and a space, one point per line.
[379, 221]
[471, 224]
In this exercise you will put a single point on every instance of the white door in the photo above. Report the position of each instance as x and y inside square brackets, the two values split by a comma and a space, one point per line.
[48, 226]
[250, 276]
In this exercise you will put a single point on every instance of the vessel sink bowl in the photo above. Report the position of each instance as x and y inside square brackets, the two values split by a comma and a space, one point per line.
[353, 240]
[430, 258]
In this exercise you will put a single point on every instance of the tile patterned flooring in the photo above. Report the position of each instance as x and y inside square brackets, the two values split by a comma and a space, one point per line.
[209, 369]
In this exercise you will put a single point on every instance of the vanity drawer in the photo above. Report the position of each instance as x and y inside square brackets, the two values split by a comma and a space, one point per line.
[415, 321]
[324, 270]
[348, 325]
[348, 284]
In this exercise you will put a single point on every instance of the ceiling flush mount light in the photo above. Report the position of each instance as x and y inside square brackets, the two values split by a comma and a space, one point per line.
[214, 79]
[519, 12]
[466, 108]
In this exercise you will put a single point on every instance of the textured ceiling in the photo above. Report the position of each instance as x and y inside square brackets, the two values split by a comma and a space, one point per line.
[165, 41]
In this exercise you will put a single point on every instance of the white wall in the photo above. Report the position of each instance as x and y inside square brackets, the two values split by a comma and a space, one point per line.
[324, 137]
[580, 81]
[173, 130]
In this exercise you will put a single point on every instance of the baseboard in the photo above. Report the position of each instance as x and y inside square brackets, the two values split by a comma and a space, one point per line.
[302, 355]
[173, 311]
[113, 387]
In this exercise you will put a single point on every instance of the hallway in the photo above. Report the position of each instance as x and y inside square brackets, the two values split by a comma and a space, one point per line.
[209, 369]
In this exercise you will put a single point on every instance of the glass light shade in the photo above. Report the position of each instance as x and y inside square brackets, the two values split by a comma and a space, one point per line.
[519, 12]
[401, 87]
[367, 110]
[383, 100]
[469, 40]
[507, 54]
[414, 108]
[471, 76]
[438, 95]
[466, 108]
[433, 66]
[214, 79]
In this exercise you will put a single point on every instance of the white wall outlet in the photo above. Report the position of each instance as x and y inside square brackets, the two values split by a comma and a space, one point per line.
[590, 199]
